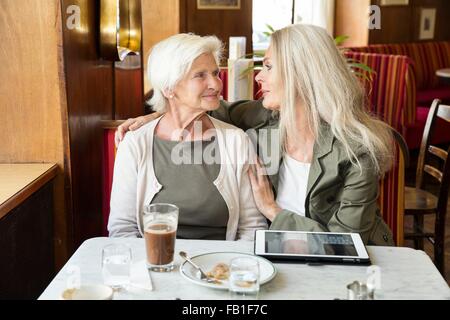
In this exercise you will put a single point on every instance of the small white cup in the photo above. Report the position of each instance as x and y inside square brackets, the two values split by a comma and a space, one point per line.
[88, 292]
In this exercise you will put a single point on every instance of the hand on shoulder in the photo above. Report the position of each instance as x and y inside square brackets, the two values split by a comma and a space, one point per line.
[133, 124]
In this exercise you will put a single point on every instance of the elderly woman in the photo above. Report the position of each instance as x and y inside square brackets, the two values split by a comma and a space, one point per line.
[332, 151]
[185, 157]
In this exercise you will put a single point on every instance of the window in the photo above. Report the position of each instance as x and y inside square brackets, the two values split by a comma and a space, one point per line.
[281, 13]
[276, 13]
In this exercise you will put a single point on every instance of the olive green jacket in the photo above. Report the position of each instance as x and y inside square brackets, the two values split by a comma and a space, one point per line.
[340, 197]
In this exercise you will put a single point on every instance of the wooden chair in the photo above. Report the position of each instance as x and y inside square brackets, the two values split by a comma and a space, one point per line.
[392, 186]
[419, 202]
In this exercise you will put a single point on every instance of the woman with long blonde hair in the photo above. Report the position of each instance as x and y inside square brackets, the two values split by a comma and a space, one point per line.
[333, 151]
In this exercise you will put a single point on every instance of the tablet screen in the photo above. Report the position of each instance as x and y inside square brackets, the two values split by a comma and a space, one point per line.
[310, 244]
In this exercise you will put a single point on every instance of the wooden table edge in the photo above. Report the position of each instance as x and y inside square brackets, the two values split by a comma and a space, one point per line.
[28, 190]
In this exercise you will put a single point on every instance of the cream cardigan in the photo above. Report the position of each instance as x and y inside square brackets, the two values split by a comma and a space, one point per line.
[135, 183]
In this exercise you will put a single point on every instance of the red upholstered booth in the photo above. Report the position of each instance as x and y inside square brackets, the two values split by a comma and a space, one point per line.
[423, 86]
[108, 156]
[389, 100]
[387, 92]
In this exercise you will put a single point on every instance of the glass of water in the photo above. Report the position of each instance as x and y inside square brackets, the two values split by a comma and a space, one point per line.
[116, 265]
[244, 278]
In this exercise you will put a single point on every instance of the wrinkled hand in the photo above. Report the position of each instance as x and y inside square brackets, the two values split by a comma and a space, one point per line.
[262, 192]
[131, 125]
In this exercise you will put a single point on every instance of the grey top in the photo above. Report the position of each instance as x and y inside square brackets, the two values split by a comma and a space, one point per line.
[187, 181]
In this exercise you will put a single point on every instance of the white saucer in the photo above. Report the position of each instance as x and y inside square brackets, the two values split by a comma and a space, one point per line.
[207, 262]
[88, 292]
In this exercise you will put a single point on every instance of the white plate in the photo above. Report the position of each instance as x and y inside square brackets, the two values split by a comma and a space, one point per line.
[207, 262]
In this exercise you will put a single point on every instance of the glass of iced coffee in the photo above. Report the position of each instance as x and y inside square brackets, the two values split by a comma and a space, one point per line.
[160, 222]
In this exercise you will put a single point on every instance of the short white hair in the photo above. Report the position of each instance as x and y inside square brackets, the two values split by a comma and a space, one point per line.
[171, 59]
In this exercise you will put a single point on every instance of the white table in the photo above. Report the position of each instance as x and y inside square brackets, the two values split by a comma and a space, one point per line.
[444, 75]
[405, 274]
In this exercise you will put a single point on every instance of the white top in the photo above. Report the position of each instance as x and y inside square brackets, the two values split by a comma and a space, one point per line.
[292, 184]
[405, 274]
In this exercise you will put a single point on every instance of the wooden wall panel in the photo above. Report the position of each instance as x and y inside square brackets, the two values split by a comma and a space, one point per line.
[90, 92]
[399, 24]
[33, 97]
[442, 27]
[222, 23]
[160, 19]
[97, 90]
[396, 25]
[26, 247]
[54, 92]
[128, 88]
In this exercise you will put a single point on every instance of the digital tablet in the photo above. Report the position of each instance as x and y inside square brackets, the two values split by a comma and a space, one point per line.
[311, 246]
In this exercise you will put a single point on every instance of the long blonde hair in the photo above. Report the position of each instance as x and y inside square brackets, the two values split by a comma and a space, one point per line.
[309, 67]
